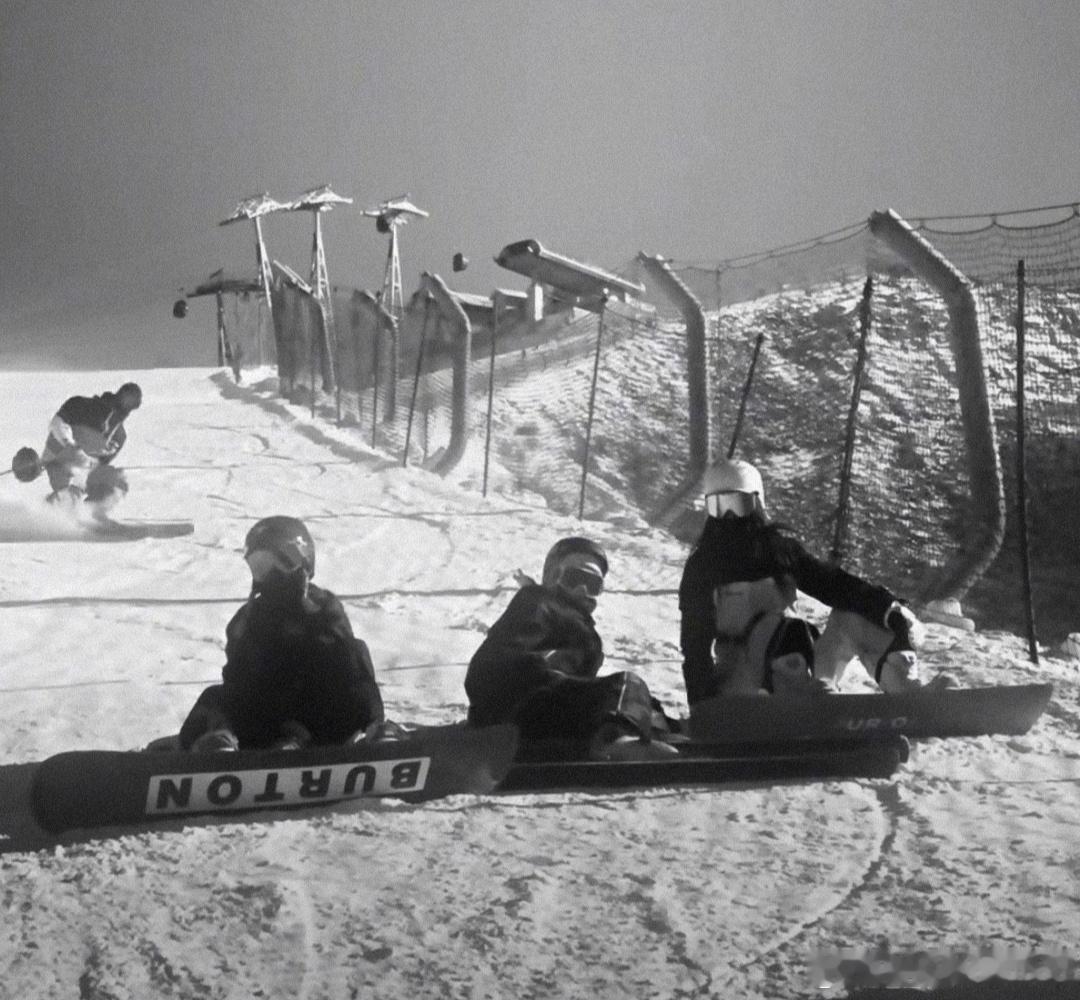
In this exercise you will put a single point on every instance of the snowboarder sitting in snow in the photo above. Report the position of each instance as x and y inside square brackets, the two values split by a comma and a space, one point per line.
[85, 435]
[737, 586]
[294, 673]
[538, 665]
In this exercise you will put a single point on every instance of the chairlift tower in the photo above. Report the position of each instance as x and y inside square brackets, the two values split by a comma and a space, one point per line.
[254, 208]
[389, 216]
[317, 201]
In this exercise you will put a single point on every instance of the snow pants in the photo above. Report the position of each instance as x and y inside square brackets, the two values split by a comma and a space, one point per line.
[69, 466]
[849, 637]
[578, 707]
[785, 654]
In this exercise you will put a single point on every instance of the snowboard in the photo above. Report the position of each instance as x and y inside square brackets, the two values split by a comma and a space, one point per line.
[546, 768]
[1007, 709]
[134, 530]
[84, 789]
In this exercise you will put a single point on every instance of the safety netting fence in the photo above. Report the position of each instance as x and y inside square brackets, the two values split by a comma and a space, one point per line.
[832, 366]
[842, 363]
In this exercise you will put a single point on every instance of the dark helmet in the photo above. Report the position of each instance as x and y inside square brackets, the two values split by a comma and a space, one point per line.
[285, 537]
[130, 391]
[569, 546]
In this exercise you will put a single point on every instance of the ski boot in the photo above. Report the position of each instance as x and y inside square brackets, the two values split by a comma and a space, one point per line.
[294, 736]
[386, 731]
[617, 739]
[898, 673]
[66, 498]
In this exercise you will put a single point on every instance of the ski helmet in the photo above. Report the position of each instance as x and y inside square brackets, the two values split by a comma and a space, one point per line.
[570, 546]
[131, 391]
[26, 465]
[732, 476]
[285, 537]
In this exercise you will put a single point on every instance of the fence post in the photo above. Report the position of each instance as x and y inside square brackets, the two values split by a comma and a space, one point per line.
[313, 362]
[336, 345]
[843, 502]
[220, 329]
[1021, 466]
[416, 379]
[745, 394]
[358, 367]
[375, 344]
[592, 406]
[984, 528]
[495, 301]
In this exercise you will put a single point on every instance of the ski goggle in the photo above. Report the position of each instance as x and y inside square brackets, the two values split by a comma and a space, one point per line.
[263, 562]
[577, 578]
[739, 504]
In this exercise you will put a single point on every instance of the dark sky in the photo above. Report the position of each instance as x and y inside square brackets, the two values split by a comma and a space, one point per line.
[699, 130]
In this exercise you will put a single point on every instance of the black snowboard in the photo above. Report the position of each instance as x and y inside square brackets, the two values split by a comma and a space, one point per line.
[96, 788]
[947, 712]
[134, 530]
[546, 767]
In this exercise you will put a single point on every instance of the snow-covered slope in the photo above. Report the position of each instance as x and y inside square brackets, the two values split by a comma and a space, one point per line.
[651, 894]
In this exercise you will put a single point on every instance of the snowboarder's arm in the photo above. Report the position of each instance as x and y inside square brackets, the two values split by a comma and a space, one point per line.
[61, 430]
[840, 589]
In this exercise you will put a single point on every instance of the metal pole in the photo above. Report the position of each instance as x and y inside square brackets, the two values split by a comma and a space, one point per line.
[313, 360]
[416, 379]
[220, 329]
[1021, 466]
[495, 297]
[375, 374]
[592, 405]
[745, 394]
[844, 499]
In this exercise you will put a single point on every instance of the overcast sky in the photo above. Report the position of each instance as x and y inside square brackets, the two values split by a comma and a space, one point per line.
[700, 130]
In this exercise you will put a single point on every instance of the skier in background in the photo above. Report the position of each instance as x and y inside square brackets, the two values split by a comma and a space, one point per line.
[294, 674]
[538, 665]
[737, 586]
[85, 435]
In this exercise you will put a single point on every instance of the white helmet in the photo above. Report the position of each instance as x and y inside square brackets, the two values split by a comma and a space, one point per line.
[727, 482]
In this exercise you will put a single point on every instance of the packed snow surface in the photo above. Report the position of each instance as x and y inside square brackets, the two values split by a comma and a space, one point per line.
[656, 893]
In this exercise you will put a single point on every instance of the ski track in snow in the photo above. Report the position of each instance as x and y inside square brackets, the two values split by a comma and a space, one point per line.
[659, 893]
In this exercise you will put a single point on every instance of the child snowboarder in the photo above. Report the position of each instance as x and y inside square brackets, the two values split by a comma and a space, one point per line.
[538, 665]
[294, 674]
[85, 435]
[737, 586]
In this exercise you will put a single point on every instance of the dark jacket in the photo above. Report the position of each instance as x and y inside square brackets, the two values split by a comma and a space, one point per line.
[542, 641]
[101, 414]
[743, 549]
[299, 662]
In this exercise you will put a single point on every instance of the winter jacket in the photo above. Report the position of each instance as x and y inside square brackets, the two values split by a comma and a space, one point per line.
[543, 641]
[298, 662]
[733, 550]
[94, 424]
